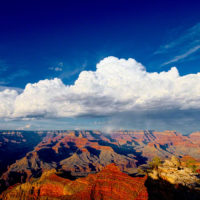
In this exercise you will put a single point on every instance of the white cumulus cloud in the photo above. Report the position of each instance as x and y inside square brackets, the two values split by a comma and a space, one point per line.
[7, 99]
[117, 86]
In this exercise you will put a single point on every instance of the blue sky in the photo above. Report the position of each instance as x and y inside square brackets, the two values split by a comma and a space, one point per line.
[60, 39]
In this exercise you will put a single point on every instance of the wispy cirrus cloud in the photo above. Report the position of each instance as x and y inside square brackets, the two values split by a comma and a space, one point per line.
[57, 68]
[13, 76]
[7, 75]
[67, 73]
[190, 36]
[183, 56]
[182, 47]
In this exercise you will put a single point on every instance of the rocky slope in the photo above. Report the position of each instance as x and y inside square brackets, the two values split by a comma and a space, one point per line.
[176, 172]
[162, 144]
[108, 184]
[173, 179]
[15, 144]
[195, 137]
[78, 153]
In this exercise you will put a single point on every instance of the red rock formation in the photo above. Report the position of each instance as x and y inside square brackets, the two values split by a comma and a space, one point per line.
[195, 137]
[162, 138]
[188, 161]
[110, 184]
[83, 152]
[78, 152]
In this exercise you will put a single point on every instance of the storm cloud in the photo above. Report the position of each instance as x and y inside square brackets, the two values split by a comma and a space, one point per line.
[117, 87]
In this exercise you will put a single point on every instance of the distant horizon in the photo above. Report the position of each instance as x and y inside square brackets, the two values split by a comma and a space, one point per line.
[102, 131]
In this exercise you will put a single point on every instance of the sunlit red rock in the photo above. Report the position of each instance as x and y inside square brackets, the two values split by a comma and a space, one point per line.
[110, 184]
[195, 137]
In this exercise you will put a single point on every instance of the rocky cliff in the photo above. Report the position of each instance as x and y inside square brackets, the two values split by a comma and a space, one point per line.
[79, 153]
[108, 184]
[15, 144]
[176, 172]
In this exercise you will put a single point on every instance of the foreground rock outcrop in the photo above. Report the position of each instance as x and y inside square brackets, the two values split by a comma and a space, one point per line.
[108, 184]
[175, 172]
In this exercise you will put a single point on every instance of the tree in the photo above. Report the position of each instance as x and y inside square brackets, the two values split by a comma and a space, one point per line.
[191, 164]
[156, 161]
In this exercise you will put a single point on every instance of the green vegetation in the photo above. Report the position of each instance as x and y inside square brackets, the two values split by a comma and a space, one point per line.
[141, 171]
[191, 164]
[156, 161]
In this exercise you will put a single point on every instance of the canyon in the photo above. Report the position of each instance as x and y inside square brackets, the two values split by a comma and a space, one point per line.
[70, 155]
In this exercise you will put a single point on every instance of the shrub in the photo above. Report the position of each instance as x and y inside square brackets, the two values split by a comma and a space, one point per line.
[156, 161]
